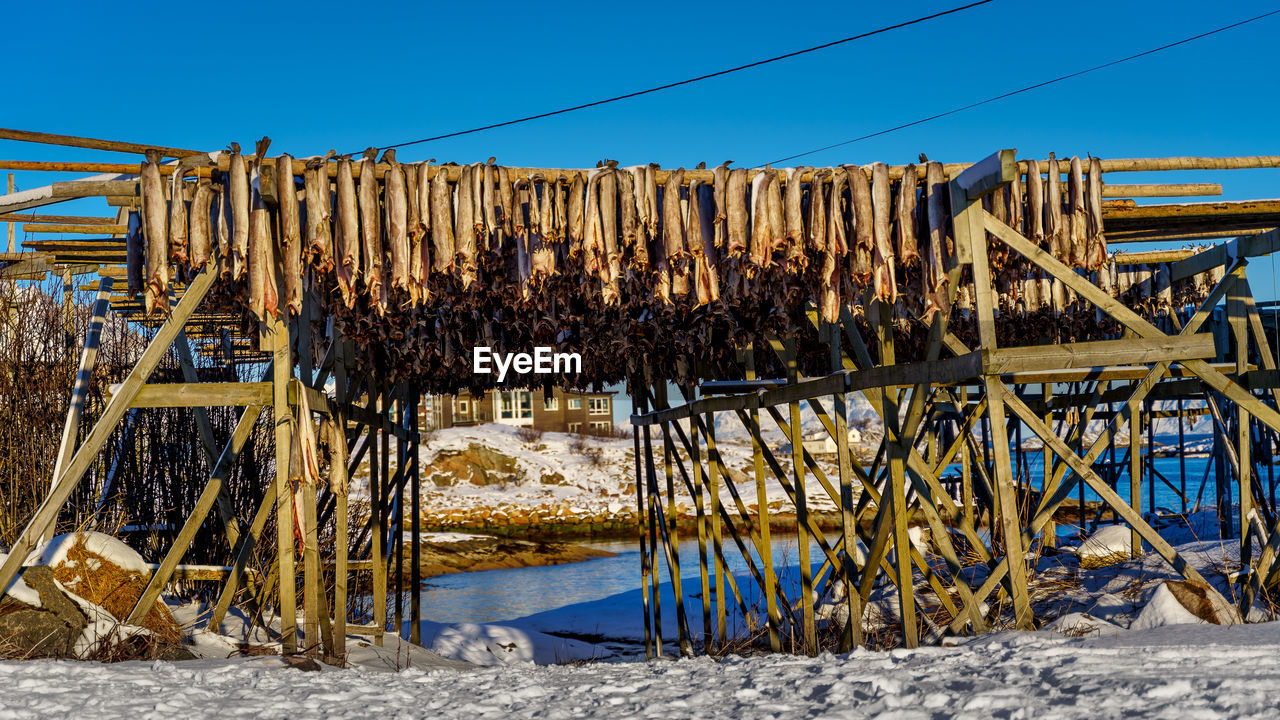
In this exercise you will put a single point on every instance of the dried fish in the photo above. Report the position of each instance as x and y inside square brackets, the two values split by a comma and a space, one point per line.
[525, 232]
[886, 284]
[264, 295]
[347, 234]
[938, 250]
[611, 268]
[315, 183]
[627, 214]
[238, 182]
[577, 201]
[442, 239]
[178, 239]
[506, 200]
[701, 235]
[907, 252]
[818, 211]
[863, 224]
[135, 254]
[542, 257]
[651, 198]
[465, 226]
[1053, 225]
[1097, 246]
[289, 215]
[396, 204]
[477, 208]
[593, 241]
[777, 223]
[226, 233]
[200, 235]
[490, 198]
[794, 203]
[1035, 201]
[736, 212]
[761, 234]
[155, 225]
[673, 221]
[720, 189]
[1077, 227]
[373, 260]
[561, 215]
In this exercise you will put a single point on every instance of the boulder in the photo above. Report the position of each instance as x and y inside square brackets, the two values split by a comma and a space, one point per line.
[47, 629]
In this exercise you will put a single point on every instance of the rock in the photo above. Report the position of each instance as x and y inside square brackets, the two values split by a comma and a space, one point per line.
[50, 630]
[477, 465]
[1164, 608]
[1205, 604]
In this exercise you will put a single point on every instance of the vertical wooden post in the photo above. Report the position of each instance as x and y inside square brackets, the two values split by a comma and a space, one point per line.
[338, 482]
[397, 514]
[899, 512]
[1135, 470]
[851, 637]
[282, 372]
[1182, 456]
[970, 232]
[762, 515]
[311, 578]
[651, 490]
[700, 509]
[640, 405]
[713, 487]
[1049, 538]
[966, 469]
[377, 481]
[672, 540]
[415, 559]
[1237, 316]
[802, 510]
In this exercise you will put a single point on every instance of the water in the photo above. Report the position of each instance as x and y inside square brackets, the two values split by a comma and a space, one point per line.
[508, 594]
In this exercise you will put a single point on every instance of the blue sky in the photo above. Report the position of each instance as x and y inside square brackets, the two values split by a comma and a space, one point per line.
[322, 75]
[348, 75]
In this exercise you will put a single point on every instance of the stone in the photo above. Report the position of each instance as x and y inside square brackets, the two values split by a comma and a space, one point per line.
[49, 631]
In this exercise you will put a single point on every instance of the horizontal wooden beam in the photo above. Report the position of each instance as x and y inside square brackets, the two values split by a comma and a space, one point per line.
[1096, 354]
[1161, 190]
[203, 394]
[65, 219]
[75, 229]
[91, 143]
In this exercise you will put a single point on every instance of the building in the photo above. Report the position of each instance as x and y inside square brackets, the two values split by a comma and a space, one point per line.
[563, 411]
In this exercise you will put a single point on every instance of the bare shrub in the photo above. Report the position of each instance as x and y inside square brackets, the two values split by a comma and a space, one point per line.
[528, 434]
[580, 445]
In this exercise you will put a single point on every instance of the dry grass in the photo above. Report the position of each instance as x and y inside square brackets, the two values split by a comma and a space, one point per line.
[1093, 562]
[104, 583]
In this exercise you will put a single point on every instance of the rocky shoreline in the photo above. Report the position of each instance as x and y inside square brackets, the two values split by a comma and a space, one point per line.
[459, 553]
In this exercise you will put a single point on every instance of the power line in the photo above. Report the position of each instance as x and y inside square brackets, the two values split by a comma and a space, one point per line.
[699, 78]
[1025, 89]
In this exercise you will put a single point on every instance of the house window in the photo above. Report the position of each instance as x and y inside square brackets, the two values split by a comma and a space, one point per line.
[601, 426]
[551, 404]
[598, 406]
[575, 403]
[575, 427]
[513, 404]
[462, 407]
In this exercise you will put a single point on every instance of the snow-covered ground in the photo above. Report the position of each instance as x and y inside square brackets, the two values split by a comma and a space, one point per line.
[1192, 671]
